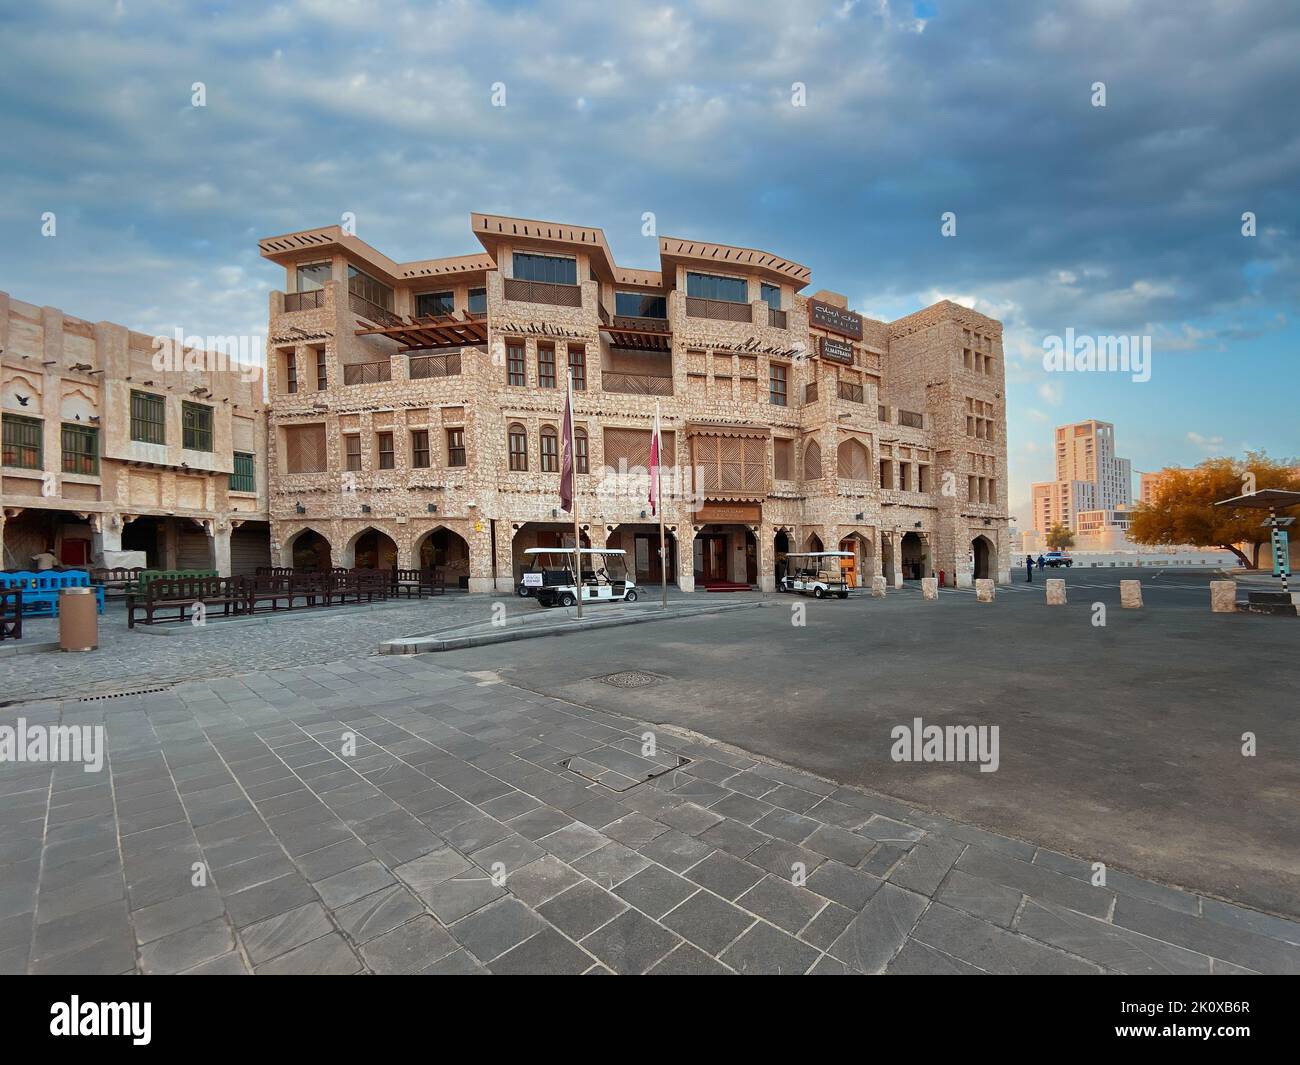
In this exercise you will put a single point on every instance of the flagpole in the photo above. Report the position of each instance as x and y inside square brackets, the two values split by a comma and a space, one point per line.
[659, 505]
[577, 528]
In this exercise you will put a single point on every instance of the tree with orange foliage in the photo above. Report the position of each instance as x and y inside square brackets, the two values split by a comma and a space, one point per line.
[1183, 511]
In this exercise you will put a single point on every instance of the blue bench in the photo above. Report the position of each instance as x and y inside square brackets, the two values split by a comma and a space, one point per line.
[41, 589]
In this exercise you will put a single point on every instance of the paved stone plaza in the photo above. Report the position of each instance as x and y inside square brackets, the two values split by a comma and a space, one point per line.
[451, 840]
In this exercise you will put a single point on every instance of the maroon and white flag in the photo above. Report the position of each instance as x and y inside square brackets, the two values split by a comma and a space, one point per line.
[654, 465]
[566, 452]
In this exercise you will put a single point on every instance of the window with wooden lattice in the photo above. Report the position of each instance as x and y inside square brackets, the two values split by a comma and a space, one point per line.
[632, 446]
[854, 461]
[304, 449]
[730, 464]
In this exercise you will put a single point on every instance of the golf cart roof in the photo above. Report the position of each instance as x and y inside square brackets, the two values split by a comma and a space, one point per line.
[819, 554]
[569, 551]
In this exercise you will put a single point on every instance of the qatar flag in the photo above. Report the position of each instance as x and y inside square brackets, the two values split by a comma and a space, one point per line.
[566, 452]
[654, 465]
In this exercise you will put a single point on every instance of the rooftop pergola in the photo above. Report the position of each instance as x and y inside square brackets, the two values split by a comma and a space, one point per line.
[441, 331]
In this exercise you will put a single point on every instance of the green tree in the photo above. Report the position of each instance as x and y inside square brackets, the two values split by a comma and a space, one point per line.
[1183, 511]
[1059, 538]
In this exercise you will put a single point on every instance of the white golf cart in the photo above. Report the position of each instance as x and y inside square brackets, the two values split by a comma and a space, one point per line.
[818, 572]
[551, 579]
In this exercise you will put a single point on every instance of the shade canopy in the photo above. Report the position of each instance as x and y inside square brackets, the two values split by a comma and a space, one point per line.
[1264, 499]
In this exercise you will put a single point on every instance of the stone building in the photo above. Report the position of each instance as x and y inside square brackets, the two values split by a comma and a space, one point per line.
[120, 450]
[415, 411]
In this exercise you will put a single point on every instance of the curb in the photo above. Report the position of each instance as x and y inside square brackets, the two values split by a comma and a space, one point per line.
[414, 645]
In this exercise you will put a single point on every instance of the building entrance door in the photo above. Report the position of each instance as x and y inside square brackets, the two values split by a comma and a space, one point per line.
[714, 558]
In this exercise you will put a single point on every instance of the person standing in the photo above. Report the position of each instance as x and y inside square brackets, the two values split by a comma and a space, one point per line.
[1029, 568]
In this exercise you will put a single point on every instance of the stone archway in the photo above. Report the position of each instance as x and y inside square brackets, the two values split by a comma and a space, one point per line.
[864, 557]
[780, 548]
[371, 548]
[641, 542]
[814, 543]
[446, 551]
[914, 556]
[307, 550]
[725, 556]
[985, 558]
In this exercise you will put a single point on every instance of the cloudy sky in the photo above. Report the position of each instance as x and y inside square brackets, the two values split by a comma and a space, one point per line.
[1122, 219]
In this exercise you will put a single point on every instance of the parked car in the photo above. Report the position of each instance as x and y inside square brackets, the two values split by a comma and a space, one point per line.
[1057, 558]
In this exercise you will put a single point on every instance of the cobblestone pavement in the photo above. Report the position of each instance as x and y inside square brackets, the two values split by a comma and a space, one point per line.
[231, 831]
[170, 653]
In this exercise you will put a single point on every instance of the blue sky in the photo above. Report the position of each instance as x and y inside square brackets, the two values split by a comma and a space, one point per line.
[1123, 219]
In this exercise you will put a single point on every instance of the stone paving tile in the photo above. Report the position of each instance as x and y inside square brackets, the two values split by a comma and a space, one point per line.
[709, 922]
[382, 862]
[631, 943]
[767, 951]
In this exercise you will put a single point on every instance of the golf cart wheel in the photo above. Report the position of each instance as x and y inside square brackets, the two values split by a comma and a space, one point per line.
[818, 593]
[631, 595]
[522, 591]
[843, 595]
[1068, 565]
[567, 599]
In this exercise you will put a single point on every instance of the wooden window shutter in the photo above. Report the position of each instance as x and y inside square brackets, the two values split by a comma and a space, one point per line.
[304, 447]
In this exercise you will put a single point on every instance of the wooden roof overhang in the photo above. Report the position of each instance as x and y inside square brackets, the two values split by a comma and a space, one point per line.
[727, 429]
[639, 334]
[442, 331]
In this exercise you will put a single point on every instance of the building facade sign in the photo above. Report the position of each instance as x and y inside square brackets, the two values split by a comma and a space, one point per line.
[835, 319]
[836, 350]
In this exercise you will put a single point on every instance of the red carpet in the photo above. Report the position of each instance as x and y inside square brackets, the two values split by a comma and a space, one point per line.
[724, 586]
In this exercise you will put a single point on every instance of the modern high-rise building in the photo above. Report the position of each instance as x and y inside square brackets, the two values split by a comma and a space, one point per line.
[1089, 477]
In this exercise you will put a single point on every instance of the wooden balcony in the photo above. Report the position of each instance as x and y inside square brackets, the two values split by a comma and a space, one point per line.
[851, 392]
[424, 367]
[543, 292]
[371, 312]
[641, 334]
[722, 310]
[777, 319]
[635, 384]
[304, 301]
[367, 373]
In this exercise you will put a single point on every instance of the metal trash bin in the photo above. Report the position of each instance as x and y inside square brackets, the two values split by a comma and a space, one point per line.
[78, 619]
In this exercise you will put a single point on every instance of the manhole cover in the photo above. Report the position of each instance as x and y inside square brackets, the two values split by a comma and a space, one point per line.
[620, 770]
[629, 678]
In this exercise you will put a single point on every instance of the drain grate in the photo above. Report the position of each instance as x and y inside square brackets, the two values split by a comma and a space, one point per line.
[629, 678]
[121, 695]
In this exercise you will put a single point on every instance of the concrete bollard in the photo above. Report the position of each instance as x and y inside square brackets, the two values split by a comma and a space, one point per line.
[930, 587]
[984, 590]
[1055, 591]
[1130, 594]
[1223, 597]
[878, 585]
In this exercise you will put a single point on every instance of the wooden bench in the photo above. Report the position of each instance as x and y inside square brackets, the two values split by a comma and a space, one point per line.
[11, 613]
[417, 583]
[180, 594]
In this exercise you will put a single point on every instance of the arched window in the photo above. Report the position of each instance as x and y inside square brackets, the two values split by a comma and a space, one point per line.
[550, 450]
[580, 450]
[518, 447]
[854, 461]
[812, 461]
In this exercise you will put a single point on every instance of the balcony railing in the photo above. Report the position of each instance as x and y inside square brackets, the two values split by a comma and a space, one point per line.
[776, 319]
[723, 310]
[543, 292]
[422, 367]
[851, 392]
[810, 392]
[636, 384]
[363, 308]
[304, 301]
[367, 373]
